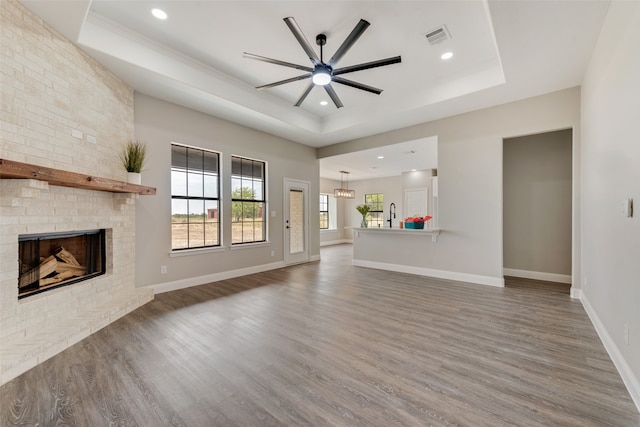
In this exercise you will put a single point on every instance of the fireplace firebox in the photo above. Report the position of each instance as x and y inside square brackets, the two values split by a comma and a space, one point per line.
[49, 261]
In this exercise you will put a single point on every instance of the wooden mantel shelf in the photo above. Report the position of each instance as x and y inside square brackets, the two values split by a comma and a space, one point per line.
[17, 170]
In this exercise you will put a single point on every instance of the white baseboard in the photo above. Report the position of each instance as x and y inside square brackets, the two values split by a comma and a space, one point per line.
[314, 258]
[576, 293]
[629, 379]
[537, 275]
[429, 272]
[214, 277]
[335, 242]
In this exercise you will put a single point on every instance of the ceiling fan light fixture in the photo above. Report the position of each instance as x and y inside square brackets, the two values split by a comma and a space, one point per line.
[321, 77]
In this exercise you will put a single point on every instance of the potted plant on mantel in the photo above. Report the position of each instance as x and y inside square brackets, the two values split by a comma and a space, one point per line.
[133, 158]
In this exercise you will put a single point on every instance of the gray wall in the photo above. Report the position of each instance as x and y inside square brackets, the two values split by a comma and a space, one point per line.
[470, 175]
[159, 123]
[537, 202]
[611, 174]
[339, 234]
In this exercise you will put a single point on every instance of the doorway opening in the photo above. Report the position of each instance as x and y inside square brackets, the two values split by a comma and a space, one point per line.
[537, 207]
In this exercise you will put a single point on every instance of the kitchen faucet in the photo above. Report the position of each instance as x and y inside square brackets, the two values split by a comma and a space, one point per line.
[391, 212]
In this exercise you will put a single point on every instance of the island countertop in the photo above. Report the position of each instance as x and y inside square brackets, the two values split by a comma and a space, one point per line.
[401, 231]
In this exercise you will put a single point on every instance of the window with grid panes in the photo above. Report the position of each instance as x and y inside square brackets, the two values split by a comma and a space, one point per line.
[248, 202]
[324, 212]
[376, 209]
[195, 198]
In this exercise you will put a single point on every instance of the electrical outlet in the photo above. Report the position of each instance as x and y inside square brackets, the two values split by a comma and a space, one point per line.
[273, 253]
[626, 334]
[163, 269]
[76, 133]
[584, 280]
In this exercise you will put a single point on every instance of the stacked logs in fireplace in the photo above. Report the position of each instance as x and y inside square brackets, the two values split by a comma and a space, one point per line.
[54, 260]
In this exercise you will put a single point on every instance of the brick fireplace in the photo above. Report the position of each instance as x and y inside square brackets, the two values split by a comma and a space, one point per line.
[52, 93]
[39, 326]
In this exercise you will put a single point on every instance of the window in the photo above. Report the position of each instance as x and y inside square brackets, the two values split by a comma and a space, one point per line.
[324, 212]
[376, 205]
[248, 203]
[195, 198]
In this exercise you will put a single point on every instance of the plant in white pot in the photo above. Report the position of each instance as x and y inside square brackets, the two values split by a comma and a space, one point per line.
[133, 157]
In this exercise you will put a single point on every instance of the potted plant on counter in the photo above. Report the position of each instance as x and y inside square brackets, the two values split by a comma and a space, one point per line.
[364, 210]
[133, 157]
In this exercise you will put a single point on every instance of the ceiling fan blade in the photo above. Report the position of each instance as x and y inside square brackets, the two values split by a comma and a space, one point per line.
[333, 95]
[297, 32]
[277, 62]
[349, 41]
[357, 85]
[304, 94]
[367, 65]
[281, 82]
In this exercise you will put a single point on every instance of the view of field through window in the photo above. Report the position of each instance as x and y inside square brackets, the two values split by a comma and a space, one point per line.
[248, 203]
[195, 198]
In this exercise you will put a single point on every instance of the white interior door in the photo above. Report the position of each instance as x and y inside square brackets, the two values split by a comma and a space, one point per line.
[296, 221]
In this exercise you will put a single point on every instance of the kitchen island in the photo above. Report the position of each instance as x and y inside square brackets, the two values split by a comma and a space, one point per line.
[410, 251]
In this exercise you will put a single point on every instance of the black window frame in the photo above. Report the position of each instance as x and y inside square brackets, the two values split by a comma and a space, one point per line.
[325, 211]
[204, 197]
[248, 164]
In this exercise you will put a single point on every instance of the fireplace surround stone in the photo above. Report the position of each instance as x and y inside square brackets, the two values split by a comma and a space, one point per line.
[54, 90]
[38, 327]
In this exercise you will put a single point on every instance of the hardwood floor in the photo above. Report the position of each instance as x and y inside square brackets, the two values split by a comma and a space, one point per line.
[330, 344]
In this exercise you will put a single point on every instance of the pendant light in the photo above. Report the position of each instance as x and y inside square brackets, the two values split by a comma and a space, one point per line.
[344, 192]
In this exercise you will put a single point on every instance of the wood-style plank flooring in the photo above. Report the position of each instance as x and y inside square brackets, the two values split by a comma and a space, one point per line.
[329, 344]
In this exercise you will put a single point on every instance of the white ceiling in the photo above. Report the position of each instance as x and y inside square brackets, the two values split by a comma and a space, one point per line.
[503, 51]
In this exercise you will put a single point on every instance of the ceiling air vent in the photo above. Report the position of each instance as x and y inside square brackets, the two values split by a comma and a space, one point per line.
[438, 35]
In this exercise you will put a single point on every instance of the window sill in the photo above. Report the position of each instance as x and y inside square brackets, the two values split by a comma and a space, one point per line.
[198, 251]
[249, 245]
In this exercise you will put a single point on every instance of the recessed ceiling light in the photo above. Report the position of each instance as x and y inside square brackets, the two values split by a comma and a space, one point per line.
[446, 55]
[413, 170]
[323, 103]
[381, 157]
[159, 13]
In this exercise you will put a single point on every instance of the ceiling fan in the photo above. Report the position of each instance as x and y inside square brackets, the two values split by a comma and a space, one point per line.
[323, 73]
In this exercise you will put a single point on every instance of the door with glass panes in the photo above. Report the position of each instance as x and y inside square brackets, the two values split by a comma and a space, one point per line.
[296, 221]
